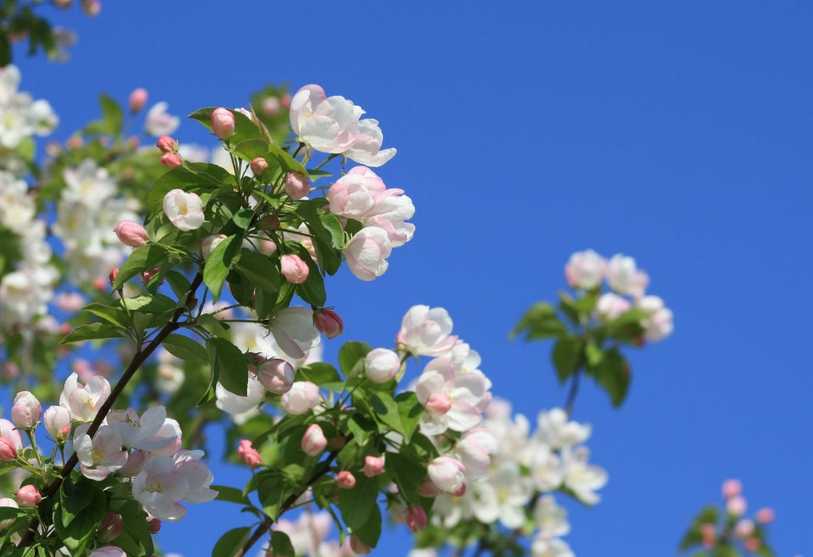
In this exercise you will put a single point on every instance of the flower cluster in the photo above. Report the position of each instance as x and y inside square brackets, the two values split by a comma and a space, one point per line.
[730, 530]
[23, 117]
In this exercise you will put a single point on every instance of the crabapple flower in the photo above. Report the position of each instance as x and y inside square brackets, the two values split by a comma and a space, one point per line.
[453, 398]
[25, 412]
[373, 466]
[258, 165]
[611, 306]
[297, 185]
[100, 455]
[585, 269]
[543, 547]
[152, 431]
[426, 331]
[313, 441]
[295, 333]
[367, 252]
[328, 322]
[241, 408]
[294, 269]
[57, 423]
[166, 144]
[765, 515]
[381, 365]
[248, 454]
[345, 480]
[475, 450]
[550, 518]
[658, 322]
[108, 551]
[160, 122]
[624, 276]
[416, 518]
[171, 160]
[736, 506]
[10, 441]
[366, 149]
[28, 496]
[556, 431]
[276, 375]
[165, 481]
[222, 122]
[184, 210]
[327, 124]
[503, 496]
[731, 488]
[83, 401]
[301, 398]
[137, 100]
[131, 233]
[581, 477]
[448, 475]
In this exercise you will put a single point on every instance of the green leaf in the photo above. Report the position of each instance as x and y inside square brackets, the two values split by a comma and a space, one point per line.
[357, 504]
[230, 365]
[141, 259]
[259, 270]
[567, 356]
[150, 303]
[231, 495]
[313, 289]
[540, 322]
[113, 315]
[321, 373]
[180, 284]
[197, 177]
[613, 375]
[243, 217]
[281, 544]
[370, 531]
[185, 348]
[220, 261]
[351, 357]
[230, 542]
[112, 115]
[410, 412]
[93, 331]
[385, 410]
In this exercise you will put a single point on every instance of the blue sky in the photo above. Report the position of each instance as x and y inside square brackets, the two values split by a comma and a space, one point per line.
[679, 133]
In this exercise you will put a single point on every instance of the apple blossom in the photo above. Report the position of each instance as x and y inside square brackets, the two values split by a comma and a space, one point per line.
[366, 148]
[25, 411]
[302, 397]
[581, 477]
[223, 122]
[28, 496]
[454, 398]
[585, 269]
[367, 252]
[313, 441]
[416, 518]
[345, 480]
[475, 450]
[7, 450]
[611, 306]
[258, 165]
[241, 408]
[373, 466]
[83, 401]
[294, 269]
[624, 276]
[752, 544]
[381, 365]
[557, 431]
[166, 144]
[166, 481]
[171, 160]
[328, 322]
[57, 423]
[152, 431]
[736, 506]
[765, 515]
[448, 475]
[131, 233]
[544, 547]
[100, 455]
[297, 185]
[658, 323]
[294, 331]
[731, 488]
[248, 454]
[276, 375]
[184, 210]
[160, 122]
[108, 551]
[426, 331]
[138, 98]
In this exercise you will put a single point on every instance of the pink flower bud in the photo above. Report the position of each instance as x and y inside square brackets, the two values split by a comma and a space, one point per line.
[345, 480]
[166, 144]
[74, 142]
[149, 274]
[765, 515]
[358, 546]
[7, 450]
[111, 527]
[294, 269]
[744, 528]
[428, 489]
[373, 466]
[314, 441]
[223, 122]
[28, 496]
[752, 544]
[259, 165]
[249, 454]
[131, 233]
[138, 98]
[25, 412]
[438, 403]
[270, 106]
[268, 247]
[154, 525]
[171, 160]
[58, 423]
[297, 185]
[92, 7]
[381, 365]
[736, 506]
[113, 275]
[328, 322]
[708, 533]
[285, 101]
[276, 375]
[416, 518]
[731, 488]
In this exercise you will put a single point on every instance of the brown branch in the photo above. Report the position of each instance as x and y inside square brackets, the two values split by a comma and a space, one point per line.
[266, 524]
[136, 363]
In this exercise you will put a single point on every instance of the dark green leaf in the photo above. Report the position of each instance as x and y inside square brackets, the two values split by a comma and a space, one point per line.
[219, 262]
[185, 348]
[230, 542]
[230, 365]
[281, 544]
[259, 270]
[351, 357]
[93, 331]
[567, 356]
[140, 260]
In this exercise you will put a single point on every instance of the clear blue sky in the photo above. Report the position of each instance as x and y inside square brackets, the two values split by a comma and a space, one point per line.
[679, 133]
